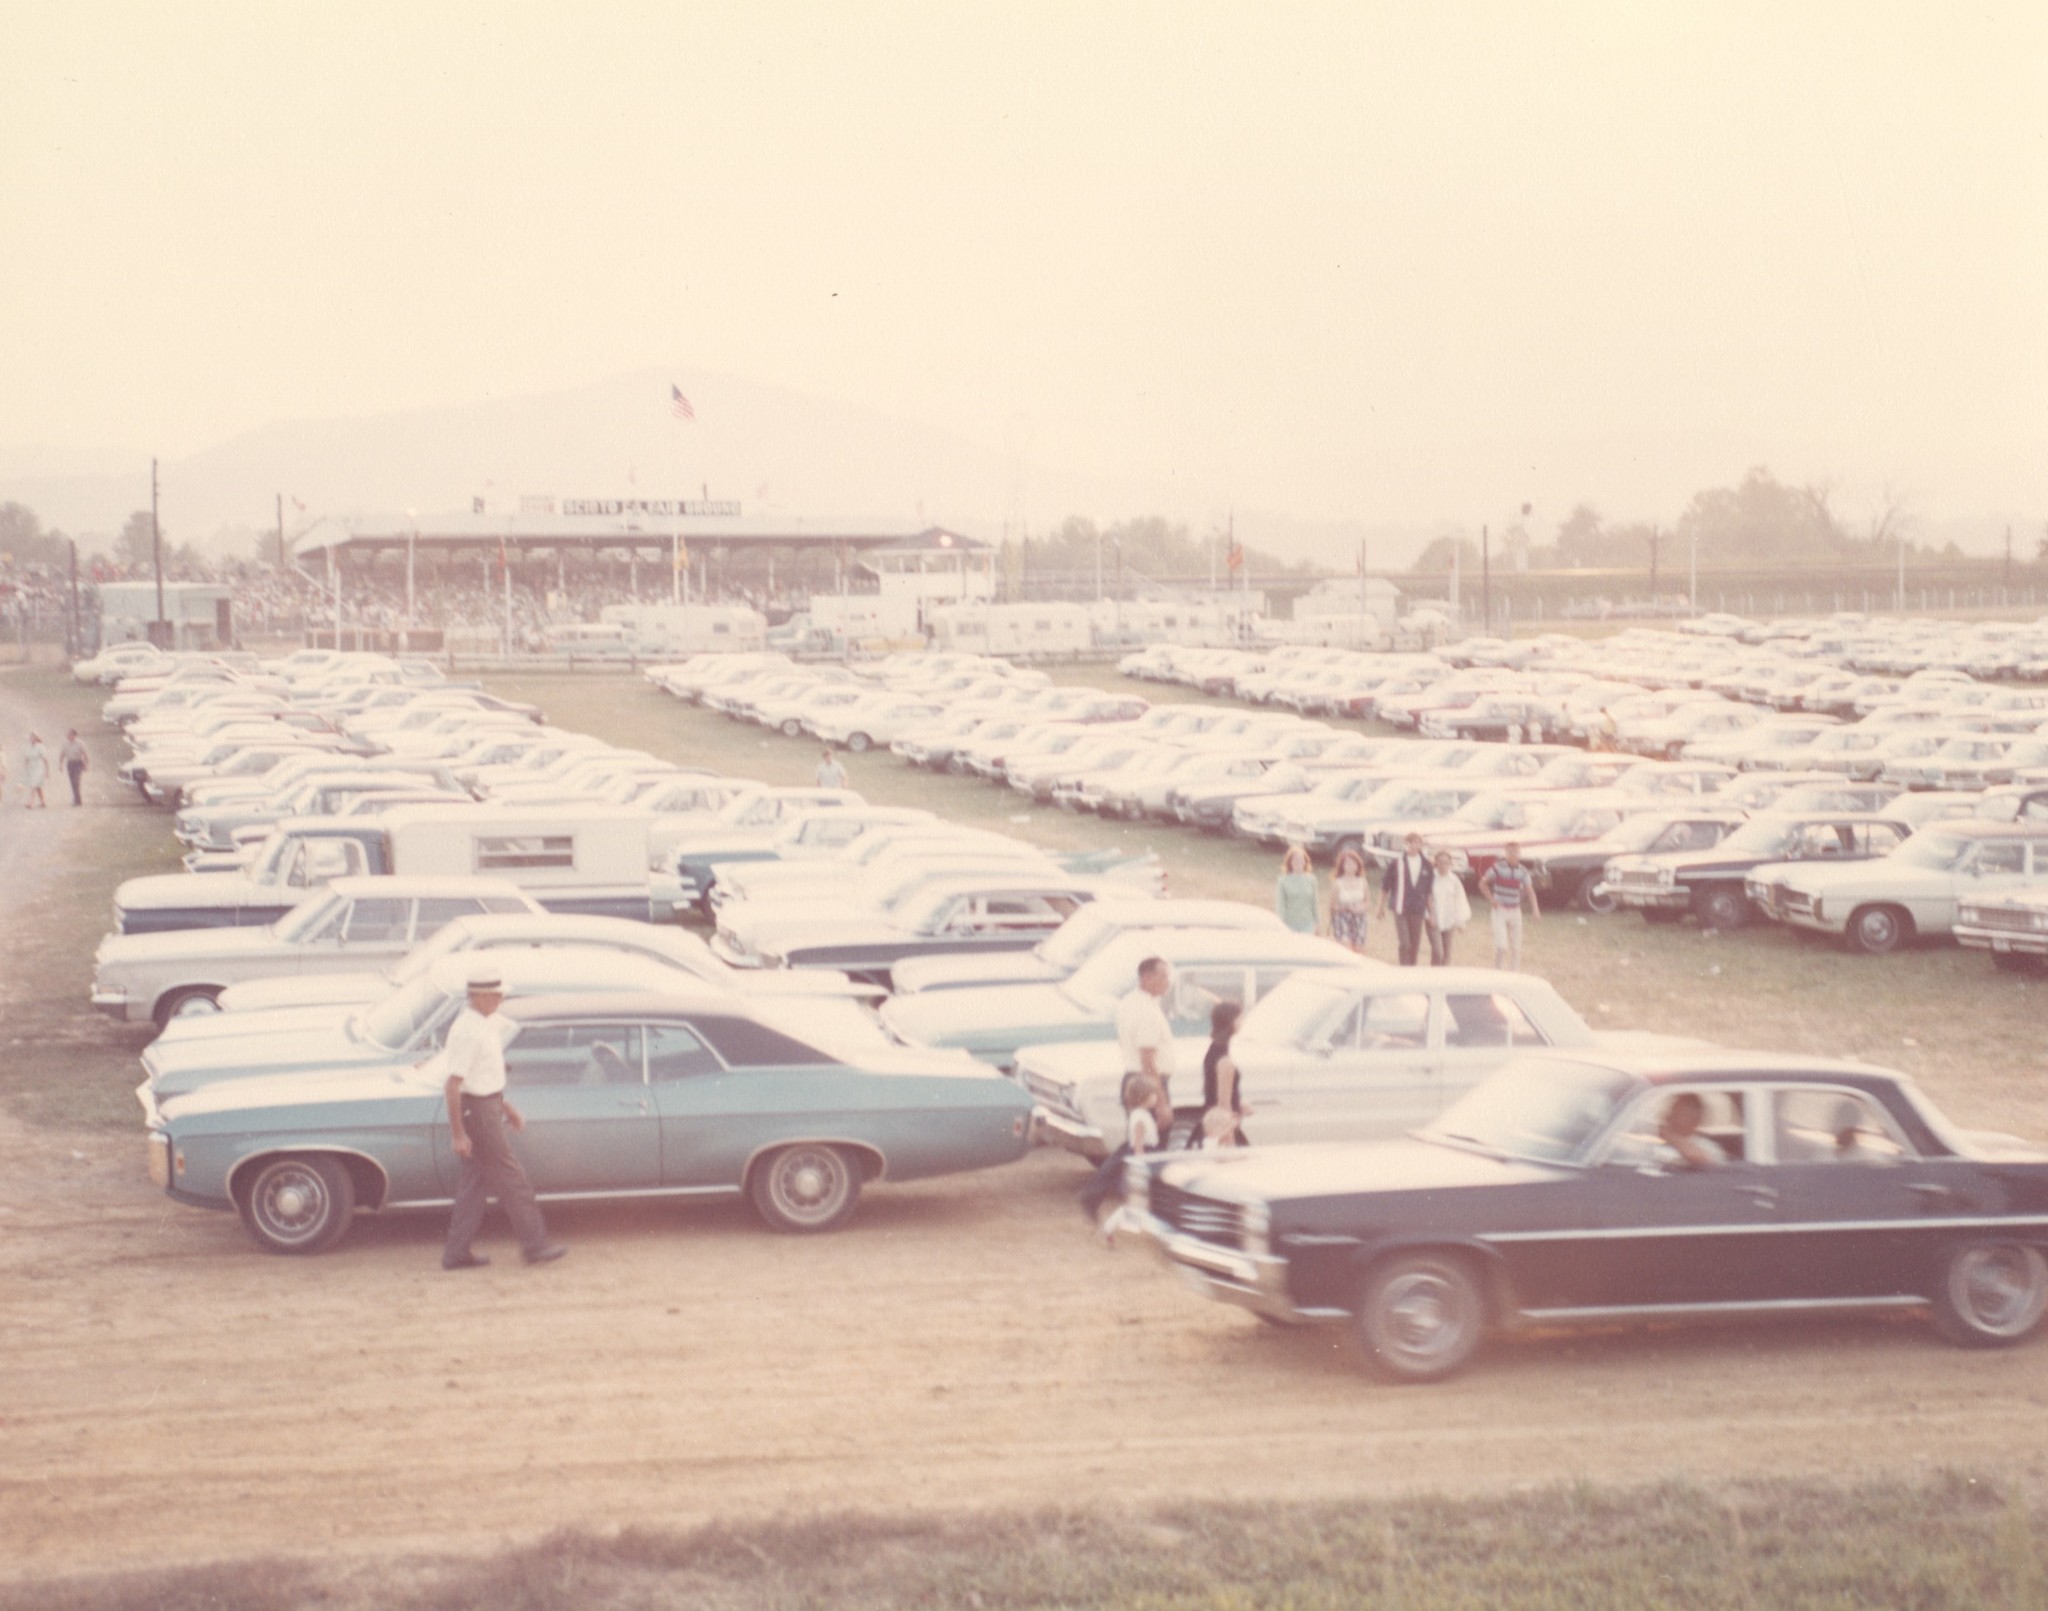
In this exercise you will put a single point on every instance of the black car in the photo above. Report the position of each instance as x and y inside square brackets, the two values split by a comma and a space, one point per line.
[1574, 874]
[1595, 1189]
[1665, 885]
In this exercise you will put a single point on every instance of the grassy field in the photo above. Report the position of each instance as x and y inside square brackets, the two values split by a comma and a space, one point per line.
[1953, 1544]
[1940, 1013]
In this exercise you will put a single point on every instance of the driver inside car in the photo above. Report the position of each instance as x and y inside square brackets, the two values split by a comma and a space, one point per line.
[1679, 1131]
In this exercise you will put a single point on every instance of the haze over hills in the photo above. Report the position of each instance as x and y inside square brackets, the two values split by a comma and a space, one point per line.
[777, 450]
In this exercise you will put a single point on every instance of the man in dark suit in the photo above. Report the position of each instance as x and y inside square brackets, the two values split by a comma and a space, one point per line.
[1405, 887]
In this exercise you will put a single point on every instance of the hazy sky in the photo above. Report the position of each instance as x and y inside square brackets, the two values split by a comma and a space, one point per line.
[1383, 261]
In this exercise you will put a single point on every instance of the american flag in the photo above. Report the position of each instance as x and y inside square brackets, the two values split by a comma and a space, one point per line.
[679, 405]
[1233, 558]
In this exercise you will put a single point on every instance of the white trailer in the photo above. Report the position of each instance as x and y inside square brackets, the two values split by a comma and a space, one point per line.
[672, 629]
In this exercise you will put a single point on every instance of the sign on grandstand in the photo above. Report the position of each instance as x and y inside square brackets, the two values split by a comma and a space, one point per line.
[667, 508]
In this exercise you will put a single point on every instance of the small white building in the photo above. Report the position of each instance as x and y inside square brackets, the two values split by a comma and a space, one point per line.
[200, 615]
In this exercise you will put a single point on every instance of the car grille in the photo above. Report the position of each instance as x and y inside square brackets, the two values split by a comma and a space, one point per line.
[1053, 1093]
[2002, 918]
[1200, 1217]
[1787, 900]
[1635, 878]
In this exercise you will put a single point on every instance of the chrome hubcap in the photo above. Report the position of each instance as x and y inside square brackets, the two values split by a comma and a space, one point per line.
[1999, 1288]
[1423, 1315]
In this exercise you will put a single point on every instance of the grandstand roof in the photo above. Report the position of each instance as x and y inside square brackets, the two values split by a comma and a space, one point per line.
[623, 523]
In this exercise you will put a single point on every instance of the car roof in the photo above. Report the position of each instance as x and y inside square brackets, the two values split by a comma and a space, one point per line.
[1666, 1066]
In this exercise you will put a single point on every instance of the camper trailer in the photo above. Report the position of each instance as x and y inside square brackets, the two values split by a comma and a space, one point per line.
[660, 630]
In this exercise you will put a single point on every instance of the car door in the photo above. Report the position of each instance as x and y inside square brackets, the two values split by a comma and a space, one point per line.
[1665, 1235]
[1376, 1072]
[1860, 1211]
[714, 1115]
[590, 1123]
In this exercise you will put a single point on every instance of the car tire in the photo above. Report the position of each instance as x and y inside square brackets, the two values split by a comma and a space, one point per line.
[1421, 1317]
[298, 1203]
[792, 728]
[1595, 897]
[858, 743]
[190, 1002]
[1992, 1294]
[1721, 908]
[805, 1188]
[1877, 930]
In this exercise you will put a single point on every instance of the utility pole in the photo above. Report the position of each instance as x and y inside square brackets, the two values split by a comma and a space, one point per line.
[1654, 535]
[280, 531]
[1693, 582]
[1485, 580]
[156, 548]
[77, 632]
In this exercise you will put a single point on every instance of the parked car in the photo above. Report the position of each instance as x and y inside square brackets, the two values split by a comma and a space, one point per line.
[1209, 965]
[356, 923]
[1710, 884]
[2013, 927]
[1331, 1054]
[1877, 906]
[1575, 875]
[1551, 1195]
[623, 1095]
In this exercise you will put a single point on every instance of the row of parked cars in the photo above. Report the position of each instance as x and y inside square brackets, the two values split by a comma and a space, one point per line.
[1538, 1184]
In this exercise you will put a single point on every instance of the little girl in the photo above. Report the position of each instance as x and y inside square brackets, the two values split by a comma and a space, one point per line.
[1144, 1103]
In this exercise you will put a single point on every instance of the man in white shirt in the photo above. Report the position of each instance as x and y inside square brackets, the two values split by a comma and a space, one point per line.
[1142, 1032]
[830, 774]
[477, 1116]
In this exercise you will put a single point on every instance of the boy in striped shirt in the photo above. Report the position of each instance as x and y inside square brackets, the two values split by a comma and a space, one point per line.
[1511, 887]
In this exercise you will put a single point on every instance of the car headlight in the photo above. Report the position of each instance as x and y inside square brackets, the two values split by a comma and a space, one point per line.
[1818, 916]
[1667, 877]
[2038, 922]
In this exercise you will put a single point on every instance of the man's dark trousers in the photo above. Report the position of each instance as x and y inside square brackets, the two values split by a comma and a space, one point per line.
[1408, 930]
[491, 1170]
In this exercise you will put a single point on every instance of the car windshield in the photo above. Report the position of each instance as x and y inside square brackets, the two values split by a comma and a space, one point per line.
[1936, 851]
[1297, 1012]
[394, 1022]
[1758, 839]
[1536, 1108]
[307, 917]
[1075, 940]
[1635, 833]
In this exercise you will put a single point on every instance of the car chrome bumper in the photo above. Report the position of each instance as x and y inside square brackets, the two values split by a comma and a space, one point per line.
[1257, 1282]
[114, 1003]
[1052, 1129]
[1662, 900]
[2002, 941]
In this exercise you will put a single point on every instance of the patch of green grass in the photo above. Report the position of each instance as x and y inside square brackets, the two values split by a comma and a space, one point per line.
[1952, 1544]
[1945, 1015]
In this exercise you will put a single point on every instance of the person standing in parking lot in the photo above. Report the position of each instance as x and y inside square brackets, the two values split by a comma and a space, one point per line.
[478, 1115]
[1143, 1035]
[75, 761]
[831, 774]
[1294, 893]
[35, 772]
[1449, 910]
[1350, 895]
[1405, 888]
[1511, 888]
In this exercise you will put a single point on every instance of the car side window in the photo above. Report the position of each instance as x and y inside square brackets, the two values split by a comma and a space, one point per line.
[1476, 1020]
[1395, 1021]
[675, 1052]
[573, 1054]
[1646, 1139]
[375, 919]
[436, 912]
[1997, 860]
[1834, 1127]
[1196, 993]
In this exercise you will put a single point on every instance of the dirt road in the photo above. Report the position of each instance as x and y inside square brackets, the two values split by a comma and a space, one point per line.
[172, 1394]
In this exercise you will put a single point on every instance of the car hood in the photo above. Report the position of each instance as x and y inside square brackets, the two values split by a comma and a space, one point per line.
[1881, 875]
[915, 975]
[176, 1069]
[1004, 1015]
[160, 892]
[1283, 1174]
[412, 1092]
[790, 930]
[298, 992]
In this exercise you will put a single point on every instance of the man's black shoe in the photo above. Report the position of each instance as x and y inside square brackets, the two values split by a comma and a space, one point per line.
[468, 1261]
[546, 1255]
